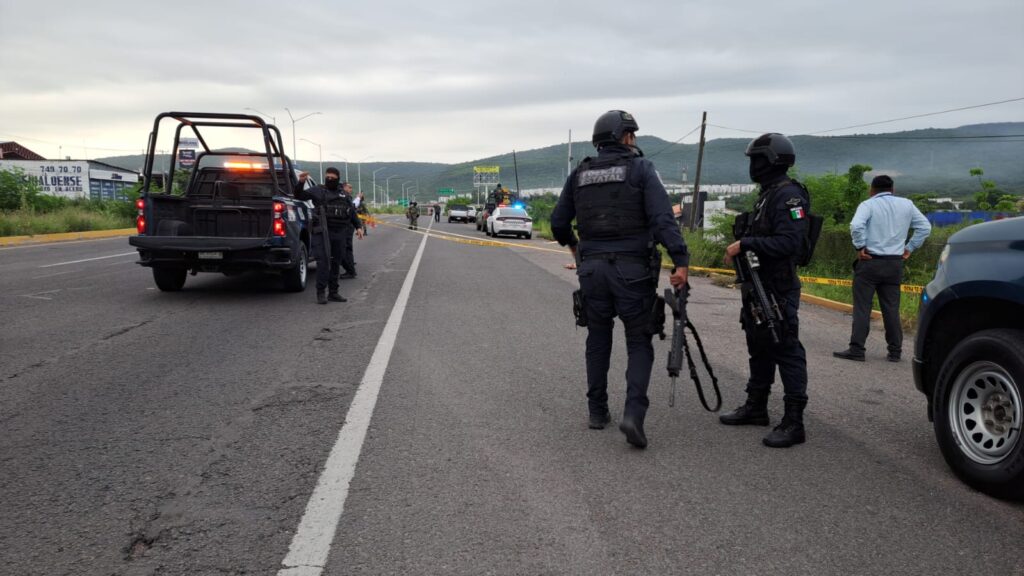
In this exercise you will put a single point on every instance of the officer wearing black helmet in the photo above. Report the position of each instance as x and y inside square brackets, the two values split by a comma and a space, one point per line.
[621, 209]
[329, 201]
[776, 230]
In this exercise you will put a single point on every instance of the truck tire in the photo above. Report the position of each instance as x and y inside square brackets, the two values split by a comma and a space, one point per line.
[978, 412]
[169, 279]
[294, 279]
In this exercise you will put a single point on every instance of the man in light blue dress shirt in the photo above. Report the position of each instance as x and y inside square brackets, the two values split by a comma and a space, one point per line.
[879, 231]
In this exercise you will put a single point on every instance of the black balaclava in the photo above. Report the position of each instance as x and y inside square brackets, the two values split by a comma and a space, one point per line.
[763, 171]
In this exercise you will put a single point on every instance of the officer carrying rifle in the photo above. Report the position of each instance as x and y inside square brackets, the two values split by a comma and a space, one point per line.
[771, 241]
[333, 214]
[621, 209]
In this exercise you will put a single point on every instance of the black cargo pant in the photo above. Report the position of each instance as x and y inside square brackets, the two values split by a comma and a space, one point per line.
[348, 260]
[788, 355]
[622, 288]
[881, 274]
[327, 273]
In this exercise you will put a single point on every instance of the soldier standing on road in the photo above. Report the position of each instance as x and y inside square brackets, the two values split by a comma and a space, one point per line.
[776, 231]
[363, 212]
[348, 261]
[621, 209]
[413, 214]
[879, 231]
[339, 215]
[437, 212]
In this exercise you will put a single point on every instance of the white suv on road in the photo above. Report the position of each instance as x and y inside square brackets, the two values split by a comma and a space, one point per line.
[505, 220]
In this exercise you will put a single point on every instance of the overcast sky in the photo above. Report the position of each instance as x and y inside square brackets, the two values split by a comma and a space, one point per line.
[457, 80]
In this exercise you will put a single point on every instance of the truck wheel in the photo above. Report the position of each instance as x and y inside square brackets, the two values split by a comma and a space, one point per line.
[978, 412]
[294, 279]
[169, 279]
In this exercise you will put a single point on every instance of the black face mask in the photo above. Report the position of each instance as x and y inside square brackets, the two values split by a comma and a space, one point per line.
[331, 184]
[761, 170]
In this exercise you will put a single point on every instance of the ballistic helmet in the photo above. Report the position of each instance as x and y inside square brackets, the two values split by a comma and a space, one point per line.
[611, 126]
[773, 147]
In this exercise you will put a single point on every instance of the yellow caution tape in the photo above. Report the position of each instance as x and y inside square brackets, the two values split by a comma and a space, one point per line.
[909, 288]
[461, 239]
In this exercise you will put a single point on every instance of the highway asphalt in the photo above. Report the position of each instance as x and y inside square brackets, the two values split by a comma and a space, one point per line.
[157, 433]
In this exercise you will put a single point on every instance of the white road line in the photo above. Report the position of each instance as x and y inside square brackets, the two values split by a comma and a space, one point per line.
[311, 544]
[89, 259]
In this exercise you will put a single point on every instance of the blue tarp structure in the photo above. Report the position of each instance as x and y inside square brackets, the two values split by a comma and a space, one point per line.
[953, 218]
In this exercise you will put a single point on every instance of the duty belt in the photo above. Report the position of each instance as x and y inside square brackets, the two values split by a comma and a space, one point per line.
[613, 256]
[885, 257]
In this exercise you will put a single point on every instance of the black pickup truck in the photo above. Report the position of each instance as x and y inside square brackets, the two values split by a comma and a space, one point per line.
[238, 211]
[969, 355]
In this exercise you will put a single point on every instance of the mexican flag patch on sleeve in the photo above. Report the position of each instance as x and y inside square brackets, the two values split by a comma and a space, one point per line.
[797, 213]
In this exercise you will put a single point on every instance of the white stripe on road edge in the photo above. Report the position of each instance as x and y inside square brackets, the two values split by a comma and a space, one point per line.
[311, 544]
[89, 259]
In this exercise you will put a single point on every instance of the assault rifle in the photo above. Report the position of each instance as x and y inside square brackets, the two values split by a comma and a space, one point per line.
[677, 302]
[763, 308]
[322, 211]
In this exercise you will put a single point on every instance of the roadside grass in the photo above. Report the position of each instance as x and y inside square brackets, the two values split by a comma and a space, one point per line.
[68, 219]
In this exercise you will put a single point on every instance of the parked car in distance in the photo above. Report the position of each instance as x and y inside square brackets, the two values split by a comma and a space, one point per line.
[481, 219]
[471, 213]
[458, 213]
[507, 220]
[969, 355]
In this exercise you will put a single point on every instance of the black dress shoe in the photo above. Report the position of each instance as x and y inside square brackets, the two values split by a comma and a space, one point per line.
[335, 297]
[849, 355]
[599, 421]
[893, 357]
[321, 297]
[634, 431]
[346, 276]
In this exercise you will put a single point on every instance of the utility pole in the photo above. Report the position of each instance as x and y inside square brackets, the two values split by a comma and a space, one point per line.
[568, 164]
[696, 180]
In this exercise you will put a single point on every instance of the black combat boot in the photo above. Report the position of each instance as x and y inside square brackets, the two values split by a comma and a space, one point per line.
[599, 421]
[790, 431]
[754, 412]
[633, 428]
[335, 297]
[321, 297]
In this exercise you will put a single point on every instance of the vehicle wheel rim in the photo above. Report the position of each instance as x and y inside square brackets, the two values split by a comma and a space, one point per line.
[302, 268]
[985, 412]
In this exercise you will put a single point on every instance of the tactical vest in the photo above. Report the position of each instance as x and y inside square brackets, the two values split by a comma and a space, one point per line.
[338, 210]
[755, 223]
[607, 206]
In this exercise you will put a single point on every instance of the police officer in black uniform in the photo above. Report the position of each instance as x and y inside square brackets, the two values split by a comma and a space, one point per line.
[348, 262]
[340, 214]
[621, 209]
[776, 231]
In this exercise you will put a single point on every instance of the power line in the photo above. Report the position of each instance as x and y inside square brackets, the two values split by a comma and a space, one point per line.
[676, 142]
[915, 116]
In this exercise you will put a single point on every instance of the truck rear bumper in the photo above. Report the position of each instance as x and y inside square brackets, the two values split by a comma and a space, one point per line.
[211, 254]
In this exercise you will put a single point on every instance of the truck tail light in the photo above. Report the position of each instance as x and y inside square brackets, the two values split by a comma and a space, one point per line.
[279, 227]
[278, 208]
[140, 204]
[140, 224]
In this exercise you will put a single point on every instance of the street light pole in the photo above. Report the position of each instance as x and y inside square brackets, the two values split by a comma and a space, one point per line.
[294, 121]
[359, 175]
[387, 187]
[346, 165]
[273, 120]
[403, 188]
[375, 186]
[320, 151]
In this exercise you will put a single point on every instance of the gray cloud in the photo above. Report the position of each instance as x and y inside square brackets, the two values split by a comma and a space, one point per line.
[455, 80]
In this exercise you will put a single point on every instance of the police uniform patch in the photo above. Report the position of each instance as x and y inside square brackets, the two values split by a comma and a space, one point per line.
[601, 176]
[797, 213]
[794, 201]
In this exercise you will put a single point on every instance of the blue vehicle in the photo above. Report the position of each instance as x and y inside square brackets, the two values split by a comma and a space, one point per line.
[238, 211]
[969, 355]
